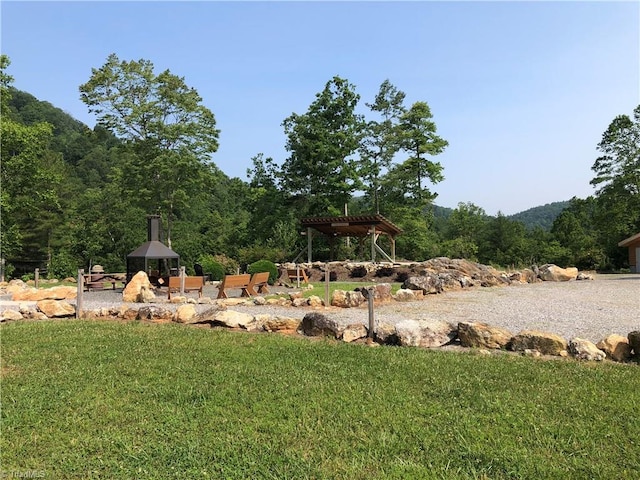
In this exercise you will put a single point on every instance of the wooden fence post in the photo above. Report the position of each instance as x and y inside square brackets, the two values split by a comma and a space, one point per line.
[80, 293]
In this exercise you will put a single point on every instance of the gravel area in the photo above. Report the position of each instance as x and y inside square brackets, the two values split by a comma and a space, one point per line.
[586, 309]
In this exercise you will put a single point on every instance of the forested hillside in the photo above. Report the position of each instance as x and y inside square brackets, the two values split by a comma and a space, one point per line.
[542, 216]
[73, 196]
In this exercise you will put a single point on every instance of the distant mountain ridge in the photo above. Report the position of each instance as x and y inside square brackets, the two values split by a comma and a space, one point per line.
[541, 216]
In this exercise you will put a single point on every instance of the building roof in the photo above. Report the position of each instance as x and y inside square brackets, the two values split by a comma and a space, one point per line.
[352, 226]
[153, 249]
[628, 241]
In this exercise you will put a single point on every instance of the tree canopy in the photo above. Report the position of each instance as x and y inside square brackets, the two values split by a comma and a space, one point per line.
[74, 196]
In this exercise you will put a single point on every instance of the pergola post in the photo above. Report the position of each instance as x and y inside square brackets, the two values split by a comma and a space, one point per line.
[392, 239]
[372, 234]
[309, 244]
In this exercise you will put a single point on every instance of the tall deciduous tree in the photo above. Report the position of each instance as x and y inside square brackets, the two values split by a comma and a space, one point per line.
[321, 142]
[381, 141]
[172, 134]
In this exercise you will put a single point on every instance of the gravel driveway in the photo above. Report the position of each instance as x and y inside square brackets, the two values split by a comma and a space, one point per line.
[586, 309]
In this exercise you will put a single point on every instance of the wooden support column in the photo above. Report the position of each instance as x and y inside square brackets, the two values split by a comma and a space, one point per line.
[372, 234]
[309, 244]
[393, 248]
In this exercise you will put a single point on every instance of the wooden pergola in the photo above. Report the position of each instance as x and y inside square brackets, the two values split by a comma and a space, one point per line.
[358, 226]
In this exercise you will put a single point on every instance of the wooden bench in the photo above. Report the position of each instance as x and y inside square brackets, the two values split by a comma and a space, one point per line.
[260, 281]
[191, 284]
[296, 275]
[234, 281]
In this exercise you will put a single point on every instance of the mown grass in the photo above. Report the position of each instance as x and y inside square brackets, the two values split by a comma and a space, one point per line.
[319, 288]
[84, 399]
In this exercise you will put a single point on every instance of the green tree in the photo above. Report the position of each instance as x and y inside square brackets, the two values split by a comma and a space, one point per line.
[465, 229]
[380, 141]
[171, 133]
[320, 169]
[617, 179]
[31, 177]
[619, 166]
[419, 140]
[504, 242]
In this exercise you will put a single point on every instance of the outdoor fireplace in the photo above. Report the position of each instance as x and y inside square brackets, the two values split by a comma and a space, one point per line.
[153, 257]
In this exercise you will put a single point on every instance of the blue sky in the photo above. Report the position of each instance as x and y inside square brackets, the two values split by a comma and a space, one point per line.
[522, 91]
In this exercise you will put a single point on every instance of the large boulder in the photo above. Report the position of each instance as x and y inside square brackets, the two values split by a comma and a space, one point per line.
[428, 283]
[425, 333]
[347, 299]
[56, 308]
[354, 332]
[138, 289]
[405, 295]
[233, 319]
[26, 294]
[186, 314]
[381, 292]
[481, 335]
[583, 349]
[274, 323]
[315, 324]
[543, 342]
[154, 313]
[9, 314]
[552, 273]
[386, 334]
[616, 347]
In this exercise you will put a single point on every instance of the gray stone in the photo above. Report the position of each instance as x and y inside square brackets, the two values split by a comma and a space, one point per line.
[583, 349]
[545, 343]
[344, 299]
[428, 283]
[386, 334]
[405, 295]
[425, 333]
[154, 313]
[233, 319]
[315, 324]
[354, 332]
[10, 315]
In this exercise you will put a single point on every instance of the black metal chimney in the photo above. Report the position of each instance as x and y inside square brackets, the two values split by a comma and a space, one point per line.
[153, 228]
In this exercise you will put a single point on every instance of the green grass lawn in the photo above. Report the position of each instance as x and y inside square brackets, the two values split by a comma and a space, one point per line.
[319, 287]
[83, 399]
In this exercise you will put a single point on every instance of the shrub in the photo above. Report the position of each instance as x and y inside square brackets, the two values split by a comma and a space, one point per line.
[384, 272]
[255, 253]
[264, 266]
[230, 265]
[216, 271]
[62, 265]
[402, 276]
[358, 272]
[211, 267]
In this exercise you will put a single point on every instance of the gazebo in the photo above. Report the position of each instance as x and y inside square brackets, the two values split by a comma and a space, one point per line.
[153, 256]
[357, 226]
